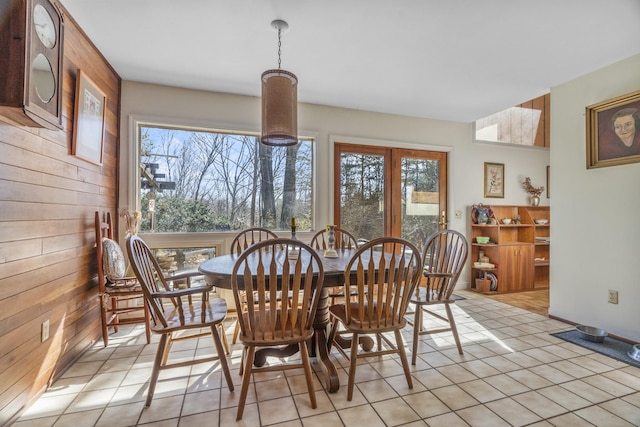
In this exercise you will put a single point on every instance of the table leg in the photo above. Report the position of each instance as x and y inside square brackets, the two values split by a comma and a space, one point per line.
[321, 322]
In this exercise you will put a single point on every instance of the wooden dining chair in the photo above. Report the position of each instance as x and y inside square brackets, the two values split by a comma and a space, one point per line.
[344, 240]
[120, 297]
[444, 255]
[242, 241]
[175, 312]
[385, 281]
[265, 270]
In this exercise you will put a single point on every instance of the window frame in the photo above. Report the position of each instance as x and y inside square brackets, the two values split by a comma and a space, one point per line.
[221, 240]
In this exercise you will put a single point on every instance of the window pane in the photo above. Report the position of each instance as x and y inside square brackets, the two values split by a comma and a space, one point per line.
[195, 180]
[362, 195]
[420, 199]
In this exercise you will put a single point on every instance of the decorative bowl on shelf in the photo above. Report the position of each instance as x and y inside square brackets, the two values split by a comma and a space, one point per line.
[541, 221]
[591, 333]
[483, 240]
[506, 220]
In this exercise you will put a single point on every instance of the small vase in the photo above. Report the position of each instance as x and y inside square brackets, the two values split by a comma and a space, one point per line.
[483, 218]
[535, 200]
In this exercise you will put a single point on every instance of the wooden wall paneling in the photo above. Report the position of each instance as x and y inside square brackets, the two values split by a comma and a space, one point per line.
[47, 251]
[547, 120]
[528, 119]
[538, 105]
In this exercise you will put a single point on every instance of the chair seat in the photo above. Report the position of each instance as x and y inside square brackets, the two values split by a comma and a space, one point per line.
[214, 312]
[365, 325]
[428, 296]
[279, 335]
[123, 290]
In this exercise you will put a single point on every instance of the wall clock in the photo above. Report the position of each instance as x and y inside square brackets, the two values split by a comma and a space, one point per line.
[31, 33]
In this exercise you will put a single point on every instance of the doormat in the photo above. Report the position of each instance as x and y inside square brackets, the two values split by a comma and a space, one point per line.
[611, 347]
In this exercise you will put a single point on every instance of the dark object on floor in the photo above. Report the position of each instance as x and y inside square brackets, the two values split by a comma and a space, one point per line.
[457, 297]
[611, 347]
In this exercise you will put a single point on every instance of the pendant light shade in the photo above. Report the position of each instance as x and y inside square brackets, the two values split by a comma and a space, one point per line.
[279, 108]
[279, 101]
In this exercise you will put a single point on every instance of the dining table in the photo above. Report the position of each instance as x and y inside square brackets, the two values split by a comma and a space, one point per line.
[217, 272]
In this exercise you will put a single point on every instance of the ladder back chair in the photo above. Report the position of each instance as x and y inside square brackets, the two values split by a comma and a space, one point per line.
[385, 282]
[344, 240]
[242, 241]
[173, 315]
[444, 255]
[265, 270]
[120, 297]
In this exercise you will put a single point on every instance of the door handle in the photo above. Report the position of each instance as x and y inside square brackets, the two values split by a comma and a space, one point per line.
[443, 219]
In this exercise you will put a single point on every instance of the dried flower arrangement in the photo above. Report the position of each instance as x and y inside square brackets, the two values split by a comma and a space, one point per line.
[132, 219]
[529, 188]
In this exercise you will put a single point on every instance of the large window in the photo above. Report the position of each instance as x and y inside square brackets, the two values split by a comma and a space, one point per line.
[197, 180]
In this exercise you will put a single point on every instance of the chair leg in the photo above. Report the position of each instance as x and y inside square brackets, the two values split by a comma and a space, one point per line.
[156, 368]
[103, 315]
[114, 311]
[236, 332]
[304, 353]
[243, 358]
[222, 356]
[403, 357]
[223, 336]
[332, 334]
[246, 379]
[353, 361]
[147, 321]
[454, 329]
[416, 333]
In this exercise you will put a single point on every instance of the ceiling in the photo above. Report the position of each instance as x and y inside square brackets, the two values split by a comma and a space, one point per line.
[456, 60]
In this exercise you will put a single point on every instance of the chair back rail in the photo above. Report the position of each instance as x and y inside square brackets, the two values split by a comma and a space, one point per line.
[267, 270]
[444, 256]
[344, 239]
[385, 282]
[250, 236]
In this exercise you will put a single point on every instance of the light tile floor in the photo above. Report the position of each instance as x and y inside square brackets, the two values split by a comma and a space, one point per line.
[512, 373]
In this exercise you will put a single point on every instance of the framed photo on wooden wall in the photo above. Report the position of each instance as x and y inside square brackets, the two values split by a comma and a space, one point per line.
[494, 180]
[613, 131]
[88, 120]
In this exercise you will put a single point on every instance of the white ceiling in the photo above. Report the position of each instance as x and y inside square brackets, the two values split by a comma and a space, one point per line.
[454, 60]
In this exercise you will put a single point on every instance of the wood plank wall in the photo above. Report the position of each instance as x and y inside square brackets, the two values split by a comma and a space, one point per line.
[47, 258]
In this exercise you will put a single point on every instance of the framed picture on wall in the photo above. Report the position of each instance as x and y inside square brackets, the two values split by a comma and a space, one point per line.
[494, 180]
[88, 120]
[548, 181]
[613, 131]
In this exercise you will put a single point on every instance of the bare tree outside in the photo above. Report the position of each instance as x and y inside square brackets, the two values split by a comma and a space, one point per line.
[198, 181]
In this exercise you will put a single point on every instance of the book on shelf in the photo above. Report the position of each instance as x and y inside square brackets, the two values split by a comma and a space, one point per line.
[543, 239]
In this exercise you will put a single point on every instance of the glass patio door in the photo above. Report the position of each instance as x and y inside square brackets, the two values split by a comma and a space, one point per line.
[390, 191]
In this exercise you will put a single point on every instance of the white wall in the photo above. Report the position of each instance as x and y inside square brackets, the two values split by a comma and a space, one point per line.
[466, 159]
[595, 221]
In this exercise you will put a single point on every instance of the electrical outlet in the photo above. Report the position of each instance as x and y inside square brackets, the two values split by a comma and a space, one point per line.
[45, 330]
[613, 296]
[458, 214]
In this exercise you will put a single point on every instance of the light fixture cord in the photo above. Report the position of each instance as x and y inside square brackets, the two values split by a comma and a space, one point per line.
[279, 46]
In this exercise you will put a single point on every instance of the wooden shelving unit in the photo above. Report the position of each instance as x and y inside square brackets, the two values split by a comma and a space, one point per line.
[520, 252]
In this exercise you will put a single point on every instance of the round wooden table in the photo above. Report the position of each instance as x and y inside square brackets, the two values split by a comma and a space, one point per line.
[217, 272]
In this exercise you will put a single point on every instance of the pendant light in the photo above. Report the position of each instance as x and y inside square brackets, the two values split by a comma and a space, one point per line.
[279, 101]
